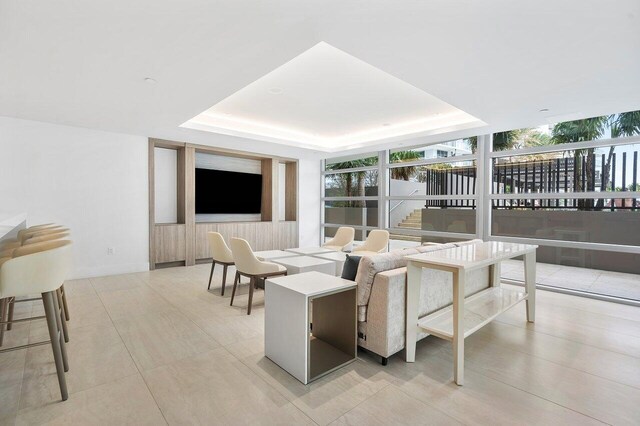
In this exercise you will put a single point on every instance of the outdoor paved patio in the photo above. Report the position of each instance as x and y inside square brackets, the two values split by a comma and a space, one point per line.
[607, 283]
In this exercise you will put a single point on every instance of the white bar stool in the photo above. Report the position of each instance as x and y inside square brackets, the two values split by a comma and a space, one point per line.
[42, 272]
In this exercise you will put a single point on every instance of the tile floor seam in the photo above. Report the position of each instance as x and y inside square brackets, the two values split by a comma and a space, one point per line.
[269, 384]
[592, 313]
[360, 403]
[186, 316]
[132, 358]
[570, 367]
[571, 340]
[470, 368]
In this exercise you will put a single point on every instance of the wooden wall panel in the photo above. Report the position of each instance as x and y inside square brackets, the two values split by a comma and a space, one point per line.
[190, 204]
[267, 190]
[170, 243]
[152, 206]
[181, 175]
[187, 240]
[260, 235]
[202, 244]
[291, 191]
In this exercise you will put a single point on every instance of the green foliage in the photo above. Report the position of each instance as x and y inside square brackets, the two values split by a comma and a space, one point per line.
[512, 139]
[404, 173]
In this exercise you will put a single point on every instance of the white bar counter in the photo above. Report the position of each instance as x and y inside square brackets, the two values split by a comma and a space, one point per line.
[11, 223]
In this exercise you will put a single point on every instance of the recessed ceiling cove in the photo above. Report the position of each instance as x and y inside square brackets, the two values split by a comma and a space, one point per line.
[328, 100]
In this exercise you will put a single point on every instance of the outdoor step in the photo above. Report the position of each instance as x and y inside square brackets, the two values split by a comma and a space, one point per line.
[410, 225]
[405, 237]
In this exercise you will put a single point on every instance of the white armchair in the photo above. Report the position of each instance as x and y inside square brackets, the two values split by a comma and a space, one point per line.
[376, 242]
[342, 240]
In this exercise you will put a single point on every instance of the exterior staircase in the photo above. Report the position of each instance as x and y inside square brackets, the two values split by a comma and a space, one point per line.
[413, 221]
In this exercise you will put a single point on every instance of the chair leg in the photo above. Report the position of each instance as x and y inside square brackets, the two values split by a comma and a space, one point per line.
[50, 313]
[64, 302]
[252, 284]
[224, 278]
[63, 346]
[213, 265]
[235, 286]
[3, 310]
[11, 302]
[63, 316]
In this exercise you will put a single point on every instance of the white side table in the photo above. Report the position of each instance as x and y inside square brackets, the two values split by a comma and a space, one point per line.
[338, 257]
[309, 250]
[466, 316]
[308, 352]
[300, 264]
[269, 255]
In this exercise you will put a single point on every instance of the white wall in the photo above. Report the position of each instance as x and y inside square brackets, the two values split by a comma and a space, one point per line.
[94, 182]
[165, 169]
[309, 181]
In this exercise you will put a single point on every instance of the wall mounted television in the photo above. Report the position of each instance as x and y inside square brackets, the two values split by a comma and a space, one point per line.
[222, 192]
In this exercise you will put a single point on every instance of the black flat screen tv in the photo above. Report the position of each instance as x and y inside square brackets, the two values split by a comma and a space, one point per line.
[218, 191]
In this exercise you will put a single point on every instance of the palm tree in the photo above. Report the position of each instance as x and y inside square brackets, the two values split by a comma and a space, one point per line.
[347, 178]
[512, 139]
[404, 173]
[623, 124]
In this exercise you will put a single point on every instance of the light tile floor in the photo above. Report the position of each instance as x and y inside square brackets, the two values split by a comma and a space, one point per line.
[157, 348]
[617, 284]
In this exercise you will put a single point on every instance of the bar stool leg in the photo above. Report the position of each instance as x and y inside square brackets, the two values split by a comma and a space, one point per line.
[64, 302]
[3, 311]
[63, 315]
[11, 304]
[54, 333]
[63, 346]
[213, 265]
[224, 279]
[252, 284]
[235, 286]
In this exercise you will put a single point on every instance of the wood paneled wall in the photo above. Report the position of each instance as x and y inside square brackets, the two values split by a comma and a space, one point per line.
[266, 208]
[186, 241]
[170, 243]
[260, 235]
[291, 191]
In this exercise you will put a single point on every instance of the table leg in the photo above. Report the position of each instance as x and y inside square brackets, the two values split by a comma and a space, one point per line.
[495, 274]
[530, 283]
[458, 327]
[414, 278]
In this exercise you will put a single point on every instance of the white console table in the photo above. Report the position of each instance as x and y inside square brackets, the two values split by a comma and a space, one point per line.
[466, 316]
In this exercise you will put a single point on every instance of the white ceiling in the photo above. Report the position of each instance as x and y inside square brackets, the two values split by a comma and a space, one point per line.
[84, 63]
[329, 100]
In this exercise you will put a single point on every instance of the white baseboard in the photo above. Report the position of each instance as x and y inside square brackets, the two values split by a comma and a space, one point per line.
[101, 271]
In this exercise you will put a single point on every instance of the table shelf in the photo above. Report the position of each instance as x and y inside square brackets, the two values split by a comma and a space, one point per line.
[479, 309]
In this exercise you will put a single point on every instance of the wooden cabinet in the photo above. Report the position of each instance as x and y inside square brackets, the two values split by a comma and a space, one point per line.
[186, 241]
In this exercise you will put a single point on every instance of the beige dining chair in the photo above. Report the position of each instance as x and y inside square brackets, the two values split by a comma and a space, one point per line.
[342, 240]
[41, 272]
[220, 254]
[248, 265]
[376, 242]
